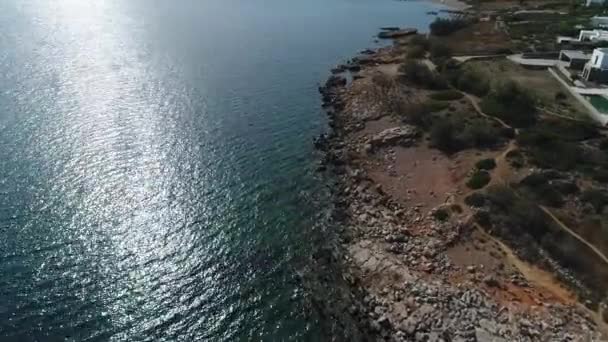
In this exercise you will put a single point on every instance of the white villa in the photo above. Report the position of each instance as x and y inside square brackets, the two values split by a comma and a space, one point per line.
[597, 67]
[593, 35]
[599, 21]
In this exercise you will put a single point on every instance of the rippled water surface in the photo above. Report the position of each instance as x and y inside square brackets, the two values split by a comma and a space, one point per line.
[156, 169]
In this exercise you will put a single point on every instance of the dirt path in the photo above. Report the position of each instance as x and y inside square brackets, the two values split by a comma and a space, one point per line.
[574, 234]
[475, 102]
[532, 273]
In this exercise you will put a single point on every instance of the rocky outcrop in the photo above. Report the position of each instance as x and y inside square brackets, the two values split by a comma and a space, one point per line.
[402, 135]
[397, 33]
[395, 260]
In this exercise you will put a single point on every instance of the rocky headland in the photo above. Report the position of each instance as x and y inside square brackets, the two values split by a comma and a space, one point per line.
[418, 265]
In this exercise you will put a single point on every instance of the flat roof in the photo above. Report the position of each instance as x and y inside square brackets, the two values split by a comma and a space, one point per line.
[576, 54]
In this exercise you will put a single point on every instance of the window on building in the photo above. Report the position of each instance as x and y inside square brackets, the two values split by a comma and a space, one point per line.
[595, 61]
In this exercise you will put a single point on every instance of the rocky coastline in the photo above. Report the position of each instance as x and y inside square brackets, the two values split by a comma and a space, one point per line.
[402, 283]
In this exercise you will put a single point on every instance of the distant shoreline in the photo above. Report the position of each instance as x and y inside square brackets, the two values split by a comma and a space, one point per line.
[452, 4]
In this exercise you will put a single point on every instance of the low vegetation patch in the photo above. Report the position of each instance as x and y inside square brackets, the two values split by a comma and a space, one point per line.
[538, 187]
[419, 74]
[475, 199]
[415, 113]
[558, 145]
[486, 164]
[441, 214]
[455, 133]
[420, 41]
[416, 52]
[445, 26]
[515, 158]
[525, 227]
[596, 197]
[447, 95]
[512, 104]
[479, 179]
[440, 51]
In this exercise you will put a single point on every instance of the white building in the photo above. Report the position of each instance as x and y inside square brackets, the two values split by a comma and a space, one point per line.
[574, 59]
[593, 35]
[599, 21]
[599, 59]
[597, 67]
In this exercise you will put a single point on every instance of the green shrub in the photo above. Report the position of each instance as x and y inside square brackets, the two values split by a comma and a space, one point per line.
[597, 198]
[535, 180]
[456, 208]
[600, 175]
[441, 214]
[548, 151]
[483, 218]
[436, 106]
[444, 136]
[475, 199]
[486, 164]
[440, 51]
[416, 113]
[565, 187]
[515, 158]
[507, 132]
[548, 195]
[416, 52]
[472, 82]
[479, 179]
[445, 26]
[481, 134]
[447, 95]
[421, 41]
[419, 74]
[512, 104]
[567, 130]
[501, 197]
[560, 96]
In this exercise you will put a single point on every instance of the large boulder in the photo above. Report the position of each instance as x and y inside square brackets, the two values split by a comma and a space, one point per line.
[402, 135]
[397, 33]
[335, 81]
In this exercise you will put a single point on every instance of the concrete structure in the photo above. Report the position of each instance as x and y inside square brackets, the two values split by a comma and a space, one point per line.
[585, 37]
[532, 62]
[574, 59]
[593, 35]
[592, 111]
[596, 69]
[598, 21]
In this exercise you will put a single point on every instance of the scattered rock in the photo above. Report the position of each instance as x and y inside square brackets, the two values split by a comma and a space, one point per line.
[397, 135]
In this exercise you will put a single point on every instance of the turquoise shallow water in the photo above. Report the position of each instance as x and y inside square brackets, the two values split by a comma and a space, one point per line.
[156, 165]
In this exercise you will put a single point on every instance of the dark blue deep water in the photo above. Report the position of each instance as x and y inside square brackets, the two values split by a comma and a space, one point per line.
[156, 168]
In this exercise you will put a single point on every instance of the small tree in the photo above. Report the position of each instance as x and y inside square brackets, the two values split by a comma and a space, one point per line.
[511, 103]
[440, 51]
[443, 136]
[416, 52]
[420, 41]
[445, 26]
[473, 82]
